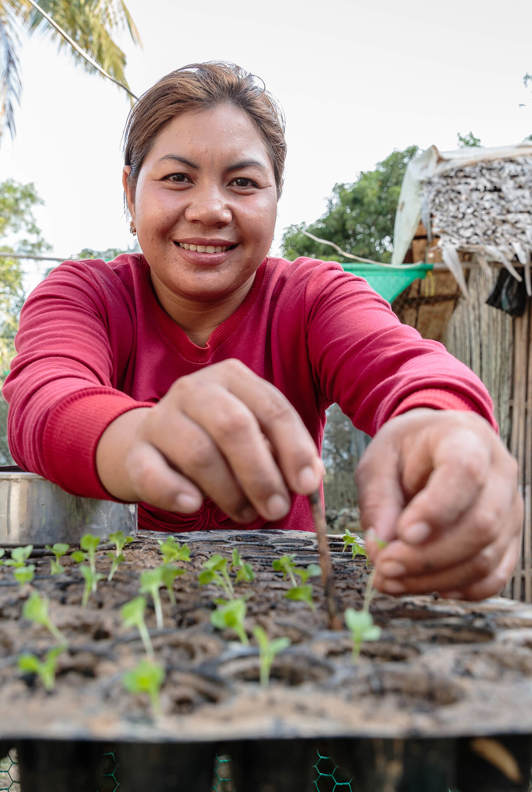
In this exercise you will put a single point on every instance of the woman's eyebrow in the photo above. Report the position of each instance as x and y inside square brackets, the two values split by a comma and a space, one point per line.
[176, 158]
[249, 163]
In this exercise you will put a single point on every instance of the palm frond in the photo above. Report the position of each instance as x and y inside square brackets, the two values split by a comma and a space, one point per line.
[10, 82]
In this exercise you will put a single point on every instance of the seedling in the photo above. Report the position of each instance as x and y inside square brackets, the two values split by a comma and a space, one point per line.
[117, 556]
[244, 570]
[89, 543]
[91, 583]
[19, 556]
[45, 669]
[79, 556]
[24, 574]
[231, 615]
[172, 551]
[150, 581]
[350, 540]
[58, 549]
[133, 616]
[215, 571]
[302, 590]
[146, 677]
[169, 574]
[267, 651]
[362, 628]
[36, 610]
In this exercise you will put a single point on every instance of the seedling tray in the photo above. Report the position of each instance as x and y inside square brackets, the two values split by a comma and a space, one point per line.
[442, 674]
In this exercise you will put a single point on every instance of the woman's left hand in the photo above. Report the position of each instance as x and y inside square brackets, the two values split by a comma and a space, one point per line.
[441, 489]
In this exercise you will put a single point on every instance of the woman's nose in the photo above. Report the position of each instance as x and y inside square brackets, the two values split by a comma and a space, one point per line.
[208, 207]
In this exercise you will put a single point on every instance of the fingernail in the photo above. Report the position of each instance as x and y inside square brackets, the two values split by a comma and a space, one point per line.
[308, 479]
[392, 569]
[277, 507]
[416, 533]
[393, 587]
[187, 503]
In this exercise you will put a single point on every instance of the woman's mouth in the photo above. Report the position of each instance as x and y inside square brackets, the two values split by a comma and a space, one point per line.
[205, 248]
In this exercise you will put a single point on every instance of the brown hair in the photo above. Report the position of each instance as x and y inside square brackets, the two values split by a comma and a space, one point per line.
[200, 86]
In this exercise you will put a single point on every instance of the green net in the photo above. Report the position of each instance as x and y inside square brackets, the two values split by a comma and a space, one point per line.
[389, 281]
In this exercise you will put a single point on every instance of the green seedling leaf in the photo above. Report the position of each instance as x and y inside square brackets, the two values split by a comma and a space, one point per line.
[132, 614]
[58, 549]
[360, 625]
[244, 570]
[79, 556]
[150, 581]
[44, 669]
[19, 556]
[217, 565]
[120, 541]
[116, 560]
[146, 677]
[381, 543]
[287, 566]
[231, 616]
[267, 651]
[301, 593]
[89, 543]
[172, 551]
[36, 610]
[313, 570]
[91, 583]
[169, 574]
[24, 574]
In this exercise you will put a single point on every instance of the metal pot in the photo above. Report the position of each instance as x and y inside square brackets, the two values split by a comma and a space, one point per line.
[35, 511]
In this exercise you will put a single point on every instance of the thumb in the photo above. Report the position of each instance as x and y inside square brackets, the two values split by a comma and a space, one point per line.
[380, 495]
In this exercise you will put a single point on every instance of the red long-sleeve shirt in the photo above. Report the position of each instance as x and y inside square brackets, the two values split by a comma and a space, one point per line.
[94, 342]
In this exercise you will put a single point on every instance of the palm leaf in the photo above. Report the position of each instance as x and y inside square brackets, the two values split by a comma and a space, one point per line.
[10, 83]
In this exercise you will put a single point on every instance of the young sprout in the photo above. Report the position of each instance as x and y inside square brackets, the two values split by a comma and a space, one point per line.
[45, 669]
[244, 570]
[169, 574]
[117, 556]
[24, 574]
[231, 615]
[133, 616]
[150, 582]
[19, 556]
[79, 556]
[215, 571]
[146, 677]
[362, 628]
[36, 610]
[58, 549]
[267, 651]
[172, 551]
[91, 583]
[89, 543]
[350, 540]
[301, 591]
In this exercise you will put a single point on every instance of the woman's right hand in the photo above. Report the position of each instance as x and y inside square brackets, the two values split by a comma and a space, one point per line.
[222, 432]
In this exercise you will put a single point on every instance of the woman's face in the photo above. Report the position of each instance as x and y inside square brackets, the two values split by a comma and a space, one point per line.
[204, 207]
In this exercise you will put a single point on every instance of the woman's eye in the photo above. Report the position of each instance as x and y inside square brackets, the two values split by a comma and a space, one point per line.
[177, 178]
[243, 181]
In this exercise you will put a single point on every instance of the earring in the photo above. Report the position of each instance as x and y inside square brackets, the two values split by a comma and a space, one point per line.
[132, 228]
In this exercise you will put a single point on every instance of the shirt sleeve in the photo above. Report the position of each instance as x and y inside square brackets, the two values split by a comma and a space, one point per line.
[63, 388]
[374, 366]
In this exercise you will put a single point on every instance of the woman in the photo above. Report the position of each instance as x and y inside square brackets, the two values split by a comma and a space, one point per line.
[194, 377]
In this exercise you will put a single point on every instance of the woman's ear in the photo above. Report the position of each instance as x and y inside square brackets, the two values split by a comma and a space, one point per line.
[128, 192]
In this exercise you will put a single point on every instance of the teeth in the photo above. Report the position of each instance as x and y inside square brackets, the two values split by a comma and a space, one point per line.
[204, 248]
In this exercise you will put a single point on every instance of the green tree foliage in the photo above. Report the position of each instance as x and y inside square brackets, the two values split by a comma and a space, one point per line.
[20, 235]
[91, 24]
[360, 215]
[468, 141]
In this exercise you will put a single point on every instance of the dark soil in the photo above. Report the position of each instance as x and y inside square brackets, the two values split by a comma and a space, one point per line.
[440, 668]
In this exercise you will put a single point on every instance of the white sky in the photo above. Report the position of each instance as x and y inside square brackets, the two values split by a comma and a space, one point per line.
[356, 79]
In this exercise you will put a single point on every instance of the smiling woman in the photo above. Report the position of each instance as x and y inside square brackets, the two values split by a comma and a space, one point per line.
[193, 378]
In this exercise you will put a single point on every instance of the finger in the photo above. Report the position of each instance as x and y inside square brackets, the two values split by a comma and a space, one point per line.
[199, 458]
[158, 484]
[293, 448]
[380, 496]
[492, 584]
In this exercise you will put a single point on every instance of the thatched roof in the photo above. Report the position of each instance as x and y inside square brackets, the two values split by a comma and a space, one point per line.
[475, 200]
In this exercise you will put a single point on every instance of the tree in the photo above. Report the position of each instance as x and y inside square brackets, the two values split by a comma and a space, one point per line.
[468, 141]
[19, 235]
[360, 216]
[88, 25]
